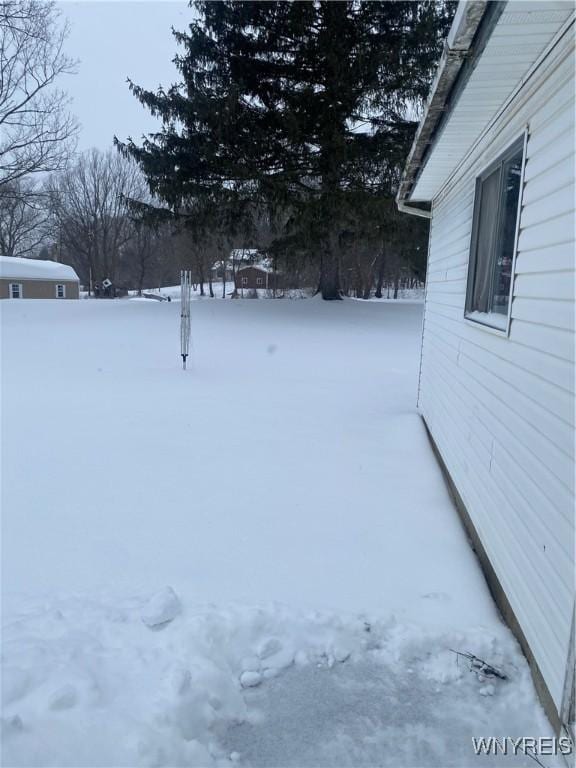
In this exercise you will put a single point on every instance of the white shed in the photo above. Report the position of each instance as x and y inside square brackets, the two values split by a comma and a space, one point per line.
[492, 165]
[22, 278]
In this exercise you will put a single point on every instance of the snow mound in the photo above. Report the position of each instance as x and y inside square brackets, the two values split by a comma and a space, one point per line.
[161, 608]
[86, 683]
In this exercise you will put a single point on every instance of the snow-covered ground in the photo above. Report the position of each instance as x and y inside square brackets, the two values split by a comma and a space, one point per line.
[253, 562]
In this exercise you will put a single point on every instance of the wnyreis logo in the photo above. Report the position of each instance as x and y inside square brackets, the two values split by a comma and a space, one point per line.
[524, 745]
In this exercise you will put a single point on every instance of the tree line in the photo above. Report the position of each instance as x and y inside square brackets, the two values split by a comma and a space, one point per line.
[287, 133]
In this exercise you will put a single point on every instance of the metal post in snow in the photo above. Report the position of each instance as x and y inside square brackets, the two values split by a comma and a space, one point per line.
[185, 281]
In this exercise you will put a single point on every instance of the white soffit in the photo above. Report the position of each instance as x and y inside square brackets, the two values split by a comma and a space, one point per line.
[520, 37]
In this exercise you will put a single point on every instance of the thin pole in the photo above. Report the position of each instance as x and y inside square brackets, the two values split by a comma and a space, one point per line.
[185, 282]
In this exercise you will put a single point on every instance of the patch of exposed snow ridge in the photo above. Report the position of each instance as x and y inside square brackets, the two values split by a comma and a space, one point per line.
[88, 684]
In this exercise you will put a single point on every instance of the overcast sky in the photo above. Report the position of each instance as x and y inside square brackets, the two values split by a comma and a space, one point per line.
[112, 41]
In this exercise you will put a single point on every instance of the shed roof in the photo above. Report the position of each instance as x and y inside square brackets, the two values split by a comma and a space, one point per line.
[489, 53]
[15, 268]
[257, 267]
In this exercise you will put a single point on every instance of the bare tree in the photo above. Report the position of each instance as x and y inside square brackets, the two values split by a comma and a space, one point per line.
[88, 203]
[148, 257]
[24, 219]
[35, 126]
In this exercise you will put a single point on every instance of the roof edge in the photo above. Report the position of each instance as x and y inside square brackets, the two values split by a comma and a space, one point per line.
[458, 50]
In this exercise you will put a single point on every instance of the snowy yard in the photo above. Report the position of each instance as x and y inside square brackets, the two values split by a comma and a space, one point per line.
[284, 488]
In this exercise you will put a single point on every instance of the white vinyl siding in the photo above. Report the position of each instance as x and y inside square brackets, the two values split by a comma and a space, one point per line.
[501, 410]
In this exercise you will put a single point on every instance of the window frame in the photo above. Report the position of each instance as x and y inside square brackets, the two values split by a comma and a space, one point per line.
[244, 281]
[63, 286]
[259, 282]
[520, 143]
[20, 290]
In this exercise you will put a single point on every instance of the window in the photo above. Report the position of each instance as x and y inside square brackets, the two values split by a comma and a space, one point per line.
[15, 290]
[494, 230]
[244, 281]
[259, 281]
[60, 291]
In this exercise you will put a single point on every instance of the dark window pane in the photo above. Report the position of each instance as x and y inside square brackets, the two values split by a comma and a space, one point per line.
[487, 222]
[495, 218]
[502, 277]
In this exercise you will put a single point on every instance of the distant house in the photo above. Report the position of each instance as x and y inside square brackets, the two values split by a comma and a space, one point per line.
[257, 277]
[222, 269]
[238, 259]
[492, 166]
[36, 279]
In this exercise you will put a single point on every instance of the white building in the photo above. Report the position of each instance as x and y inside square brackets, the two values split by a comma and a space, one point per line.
[22, 278]
[492, 164]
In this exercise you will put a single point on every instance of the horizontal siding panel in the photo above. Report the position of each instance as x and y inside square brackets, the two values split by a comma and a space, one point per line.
[503, 432]
[550, 155]
[536, 624]
[455, 243]
[557, 127]
[546, 396]
[436, 287]
[544, 596]
[557, 539]
[538, 422]
[454, 303]
[453, 261]
[558, 314]
[452, 313]
[548, 207]
[553, 232]
[472, 423]
[553, 340]
[457, 272]
[502, 514]
[552, 258]
[547, 285]
[499, 440]
[556, 461]
[458, 209]
[553, 178]
[549, 368]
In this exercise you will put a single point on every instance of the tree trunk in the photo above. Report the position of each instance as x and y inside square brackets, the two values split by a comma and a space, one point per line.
[380, 278]
[329, 286]
[200, 271]
[210, 289]
[142, 273]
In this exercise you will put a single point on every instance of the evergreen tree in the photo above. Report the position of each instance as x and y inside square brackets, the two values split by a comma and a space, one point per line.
[297, 104]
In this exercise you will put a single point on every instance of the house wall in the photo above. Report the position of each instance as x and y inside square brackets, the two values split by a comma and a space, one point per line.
[501, 410]
[252, 274]
[40, 289]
